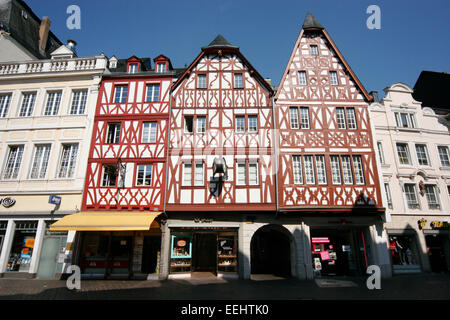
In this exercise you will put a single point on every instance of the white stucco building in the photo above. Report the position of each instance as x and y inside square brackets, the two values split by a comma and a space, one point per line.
[46, 117]
[414, 153]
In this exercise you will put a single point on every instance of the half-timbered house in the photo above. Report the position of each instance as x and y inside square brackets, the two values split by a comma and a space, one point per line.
[220, 163]
[119, 227]
[327, 168]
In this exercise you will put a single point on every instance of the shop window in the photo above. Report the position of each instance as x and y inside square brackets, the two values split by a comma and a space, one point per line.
[22, 246]
[180, 253]
[93, 253]
[404, 254]
[227, 252]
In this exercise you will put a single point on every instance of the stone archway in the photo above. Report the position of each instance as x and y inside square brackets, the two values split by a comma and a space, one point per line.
[270, 251]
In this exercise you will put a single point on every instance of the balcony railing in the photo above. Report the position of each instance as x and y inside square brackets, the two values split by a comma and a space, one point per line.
[53, 65]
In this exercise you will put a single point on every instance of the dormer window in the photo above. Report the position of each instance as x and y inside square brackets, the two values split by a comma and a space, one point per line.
[133, 68]
[161, 67]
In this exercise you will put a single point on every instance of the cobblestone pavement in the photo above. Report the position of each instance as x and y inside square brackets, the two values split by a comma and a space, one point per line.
[404, 287]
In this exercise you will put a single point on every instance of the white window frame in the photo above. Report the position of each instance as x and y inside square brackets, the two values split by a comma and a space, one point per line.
[115, 134]
[186, 124]
[424, 152]
[340, 118]
[351, 118]
[400, 157]
[152, 92]
[13, 162]
[53, 103]
[68, 171]
[199, 173]
[432, 204]
[105, 175]
[28, 104]
[5, 103]
[240, 124]
[120, 93]
[302, 80]
[147, 169]
[201, 124]
[410, 119]
[381, 152]
[409, 203]
[201, 81]
[358, 169]
[79, 101]
[310, 177]
[39, 164]
[336, 175]
[321, 169]
[187, 174]
[297, 169]
[241, 173]
[347, 169]
[294, 119]
[446, 162]
[387, 189]
[314, 49]
[132, 68]
[253, 174]
[238, 81]
[149, 132]
[160, 67]
[304, 118]
[252, 123]
[334, 78]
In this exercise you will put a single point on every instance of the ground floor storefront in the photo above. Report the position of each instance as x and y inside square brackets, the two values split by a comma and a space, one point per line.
[242, 245]
[419, 244]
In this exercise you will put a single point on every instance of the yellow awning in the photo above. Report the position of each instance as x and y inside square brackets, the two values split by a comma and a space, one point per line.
[107, 221]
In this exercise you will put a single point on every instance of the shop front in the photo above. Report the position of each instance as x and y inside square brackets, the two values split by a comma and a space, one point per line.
[116, 245]
[339, 251]
[211, 250]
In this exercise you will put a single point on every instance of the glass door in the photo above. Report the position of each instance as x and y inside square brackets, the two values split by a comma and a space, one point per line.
[52, 257]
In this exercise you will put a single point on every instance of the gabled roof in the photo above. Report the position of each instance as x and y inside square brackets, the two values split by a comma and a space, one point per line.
[311, 23]
[222, 46]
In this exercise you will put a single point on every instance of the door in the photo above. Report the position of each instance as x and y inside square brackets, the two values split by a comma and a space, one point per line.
[120, 256]
[436, 253]
[205, 252]
[52, 257]
[152, 246]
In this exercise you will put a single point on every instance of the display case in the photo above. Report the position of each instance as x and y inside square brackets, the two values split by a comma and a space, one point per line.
[226, 252]
[180, 253]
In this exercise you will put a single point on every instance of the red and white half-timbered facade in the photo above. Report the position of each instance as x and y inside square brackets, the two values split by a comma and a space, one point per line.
[327, 166]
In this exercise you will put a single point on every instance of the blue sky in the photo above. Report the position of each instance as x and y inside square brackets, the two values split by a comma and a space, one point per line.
[414, 35]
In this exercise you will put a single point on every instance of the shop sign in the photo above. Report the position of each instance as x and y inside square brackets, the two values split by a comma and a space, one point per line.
[203, 220]
[54, 199]
[181, 243]
[7, 202]
[324, 255]
[320, 240]
[440, 225]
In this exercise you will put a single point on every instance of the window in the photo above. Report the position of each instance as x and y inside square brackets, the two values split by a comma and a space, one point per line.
[253, 173]
[144, 175]
[297, 168]
[358, 169]
[351, 118]
[293, 111]
[201, 124]
[422, 154]
[340, 118]
[347, 170]
[380, 152]
[68, 161]
[444, 156]
[405, 119]
[333, 78]
[113, 134]
[411, 196]
[388, 195]
[304, 117]
[199, 176]
[149, 132]
[321, 170]
[252, 124]
[79, 102]
[5, 101]
[241, 174]
[238, 81]
[152, 94]
[53, 102]
[314, 50]
[40, 161]
[120, 94]
[403, 153]
[161, 67]
[201, 81]
[240, 124]
[335, 170]
[187, 174]
[133, 68]
[110, 174]
[302, 78]
[189, 124]
[29, 99]
[309, 170]
[432, 197]
[11, 169]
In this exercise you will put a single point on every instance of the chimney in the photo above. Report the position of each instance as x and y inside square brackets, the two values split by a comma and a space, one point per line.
[374, 94]
[71, 44]
[43, 34]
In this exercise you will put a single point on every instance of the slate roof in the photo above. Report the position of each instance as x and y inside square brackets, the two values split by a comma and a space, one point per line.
[25, 30]
[311, 22]
[221, 42]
